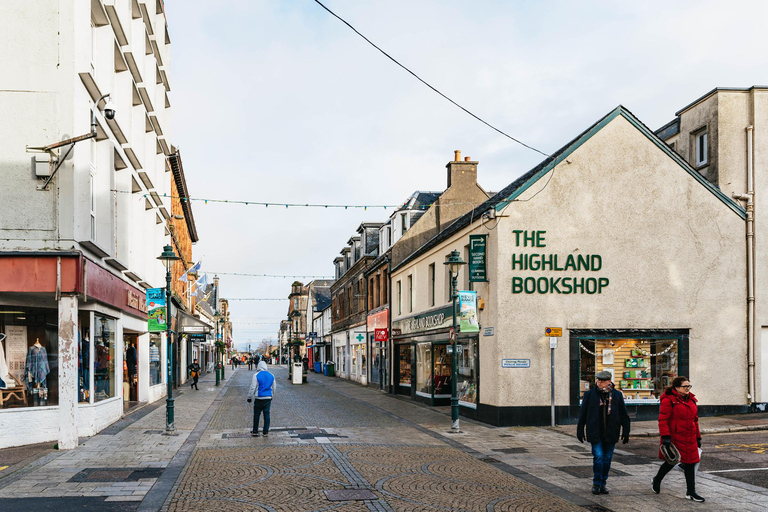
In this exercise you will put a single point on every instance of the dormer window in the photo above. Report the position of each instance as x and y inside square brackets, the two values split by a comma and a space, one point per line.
[404, 221]
[700, 148]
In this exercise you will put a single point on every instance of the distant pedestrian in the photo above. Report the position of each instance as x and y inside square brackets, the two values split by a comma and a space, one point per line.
[250, 363]
[604, 415]
[679, 426]
[194, 373]
[262, 390]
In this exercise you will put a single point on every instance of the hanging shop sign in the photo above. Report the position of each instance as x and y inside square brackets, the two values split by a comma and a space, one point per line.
[529, 261]
[468, 311]
[477, 259]
[437, 319]
[380, 335]
[156, 312]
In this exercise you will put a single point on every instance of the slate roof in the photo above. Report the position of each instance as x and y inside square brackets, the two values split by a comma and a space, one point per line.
[322, 297]
[509, 193]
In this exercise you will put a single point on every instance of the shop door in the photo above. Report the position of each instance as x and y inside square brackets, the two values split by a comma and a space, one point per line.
[403, 371]
[375, 373]
[130, 367]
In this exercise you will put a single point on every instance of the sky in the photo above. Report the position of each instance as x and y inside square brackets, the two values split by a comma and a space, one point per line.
[279, 101]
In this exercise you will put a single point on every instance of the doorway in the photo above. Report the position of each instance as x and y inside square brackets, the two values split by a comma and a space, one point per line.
[130, 369]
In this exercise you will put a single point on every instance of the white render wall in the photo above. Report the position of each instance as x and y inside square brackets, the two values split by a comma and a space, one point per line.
[59, 56]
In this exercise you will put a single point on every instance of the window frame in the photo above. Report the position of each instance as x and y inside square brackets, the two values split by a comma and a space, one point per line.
[702, 134]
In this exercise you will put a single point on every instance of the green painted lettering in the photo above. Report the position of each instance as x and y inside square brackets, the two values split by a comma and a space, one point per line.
[578, 282]
[556, 267]
[601, 283]
[531, 238]
[517, 285]
[567, 285]
[597, 262]
[583, 261]
[540, 239]
[591, 285]
[570, 262]
[516, 262]
[553, 285]
[517, 236]
[534, 260]
[532, 282]
[546, 261]
[545, 287]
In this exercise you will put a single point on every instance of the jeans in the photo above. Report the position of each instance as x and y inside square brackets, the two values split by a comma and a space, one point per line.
[261, 407]
[602, 454]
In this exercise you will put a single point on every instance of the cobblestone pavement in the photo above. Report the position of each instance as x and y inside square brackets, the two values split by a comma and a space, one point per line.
[118, 465]
[320, 441]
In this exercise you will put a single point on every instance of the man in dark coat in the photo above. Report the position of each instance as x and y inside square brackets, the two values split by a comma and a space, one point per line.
[605, 417]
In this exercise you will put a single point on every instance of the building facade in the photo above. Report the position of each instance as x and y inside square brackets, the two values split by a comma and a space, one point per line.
[81, 217]
[584, 243]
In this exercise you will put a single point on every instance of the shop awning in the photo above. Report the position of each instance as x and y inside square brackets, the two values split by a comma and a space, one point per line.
[188, 324]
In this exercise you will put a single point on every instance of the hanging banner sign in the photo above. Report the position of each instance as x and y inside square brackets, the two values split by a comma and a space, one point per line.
[468, 312]
[156, 313]
[477, 259]
[380, 335]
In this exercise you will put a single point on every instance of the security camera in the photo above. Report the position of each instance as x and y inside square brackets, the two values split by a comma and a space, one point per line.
[109, 110]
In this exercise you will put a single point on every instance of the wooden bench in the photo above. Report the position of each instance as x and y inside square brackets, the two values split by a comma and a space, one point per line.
[19, 392]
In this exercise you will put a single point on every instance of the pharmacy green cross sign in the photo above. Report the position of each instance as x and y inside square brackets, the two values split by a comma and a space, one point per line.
[360, 337]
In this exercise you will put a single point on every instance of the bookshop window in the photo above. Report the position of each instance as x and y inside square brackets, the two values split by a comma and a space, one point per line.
[104, 358]
[467, 372]
[442, 372]
[29, 352]
[642, 368]
[405, 353]
[424, 369]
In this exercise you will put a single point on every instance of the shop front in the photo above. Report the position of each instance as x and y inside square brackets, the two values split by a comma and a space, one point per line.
[422, 366]
[73, 337]
[378, 341]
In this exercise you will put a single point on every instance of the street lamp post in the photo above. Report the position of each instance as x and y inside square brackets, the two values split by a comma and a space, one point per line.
[216, 344]
[168, 257]
[224, 355]
[454, 263]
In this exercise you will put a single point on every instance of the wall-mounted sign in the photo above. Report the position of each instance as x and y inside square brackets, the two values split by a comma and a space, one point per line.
[488, 331]
[136, 301]
[437, 319]
[380, 335]
[468, 311]
[477, 259]
[553, 332]
[156, 313]
[515, 363]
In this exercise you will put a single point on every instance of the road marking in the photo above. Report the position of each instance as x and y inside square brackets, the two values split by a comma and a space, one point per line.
[736, 470]
[760, 448]
[3, 467]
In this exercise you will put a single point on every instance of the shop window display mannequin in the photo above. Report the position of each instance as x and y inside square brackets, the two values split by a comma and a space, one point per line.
[37, 371]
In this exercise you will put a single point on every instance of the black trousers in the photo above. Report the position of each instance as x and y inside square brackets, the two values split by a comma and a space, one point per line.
[194, 382]
[688, 469]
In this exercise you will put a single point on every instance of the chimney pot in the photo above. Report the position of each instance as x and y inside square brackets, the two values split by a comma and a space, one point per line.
[457, 155]
[466, 159]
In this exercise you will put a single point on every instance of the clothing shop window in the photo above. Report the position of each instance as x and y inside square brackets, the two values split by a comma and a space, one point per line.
[84, 358]
[104, 358]
[642, 368]
[155, 371]
[29, 351]
[466, 371]
[424, 369]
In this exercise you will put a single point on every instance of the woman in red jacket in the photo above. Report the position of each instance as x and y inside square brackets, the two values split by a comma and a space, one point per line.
[679, 425]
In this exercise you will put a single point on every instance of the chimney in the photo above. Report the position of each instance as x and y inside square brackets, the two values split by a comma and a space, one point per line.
[461, 173]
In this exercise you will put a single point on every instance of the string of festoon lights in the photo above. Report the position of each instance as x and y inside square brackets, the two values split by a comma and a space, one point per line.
[616, 349]
[284, 205]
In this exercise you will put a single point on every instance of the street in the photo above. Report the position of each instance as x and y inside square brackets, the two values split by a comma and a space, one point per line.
[335, 440]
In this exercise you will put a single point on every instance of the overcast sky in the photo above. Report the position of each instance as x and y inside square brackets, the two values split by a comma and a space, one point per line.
[278, 101]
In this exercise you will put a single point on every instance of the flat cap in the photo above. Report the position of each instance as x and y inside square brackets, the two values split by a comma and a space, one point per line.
[604, 375]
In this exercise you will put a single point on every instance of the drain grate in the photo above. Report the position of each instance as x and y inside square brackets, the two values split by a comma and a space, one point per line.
[518, 449]
[116, 474]
[489, 460]
[350, 495]
[158, 431]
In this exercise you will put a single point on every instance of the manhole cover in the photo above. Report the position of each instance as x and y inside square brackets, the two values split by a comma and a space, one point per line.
[519, 449]
[104, 475]
[350, 495]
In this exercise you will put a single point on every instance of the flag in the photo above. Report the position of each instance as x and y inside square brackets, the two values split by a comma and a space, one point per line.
[184, 277]
[203, 281]
[195, 267]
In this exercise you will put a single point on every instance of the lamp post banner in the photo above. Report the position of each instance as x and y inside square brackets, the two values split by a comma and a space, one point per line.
[468, 311]
[156, 313]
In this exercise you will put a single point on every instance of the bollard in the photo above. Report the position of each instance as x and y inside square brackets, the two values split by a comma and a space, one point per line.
[218, 366]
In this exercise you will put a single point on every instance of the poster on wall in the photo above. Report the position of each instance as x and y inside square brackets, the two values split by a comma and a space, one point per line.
[468, 312]
[16, 350]
[156, 309]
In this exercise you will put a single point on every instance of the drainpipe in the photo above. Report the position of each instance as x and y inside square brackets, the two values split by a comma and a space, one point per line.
[749, 198]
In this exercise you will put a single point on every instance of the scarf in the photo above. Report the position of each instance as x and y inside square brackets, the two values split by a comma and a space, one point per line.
[606, 397]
